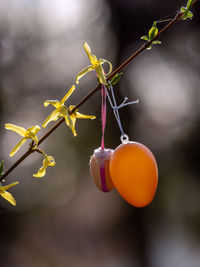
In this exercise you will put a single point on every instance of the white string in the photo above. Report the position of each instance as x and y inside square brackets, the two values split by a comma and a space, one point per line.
[113, 104]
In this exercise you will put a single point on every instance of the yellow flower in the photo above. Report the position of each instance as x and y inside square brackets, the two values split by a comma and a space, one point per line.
[30, 133]
[6, 194]
[77, 115]
[48, 161]
[61, 110]
[96, 65]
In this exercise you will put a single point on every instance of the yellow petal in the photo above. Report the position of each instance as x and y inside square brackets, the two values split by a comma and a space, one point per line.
[8, 197]
[54, 103]
[96, 64]
[34, 129]
[17, 147]
[65, 114]
[77, 115]
[19, 130]
[52, 117]
[73, 119]
[102, 61]
[41, 172]
[100, 74]
[71, 107]
[83, 72]
[50, 161]
[71, 123]
[67, 95]
[82, 116]
[92, 58]
[6, 187]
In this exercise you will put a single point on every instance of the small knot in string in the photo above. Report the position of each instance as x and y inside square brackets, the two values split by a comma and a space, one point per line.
[124, 137]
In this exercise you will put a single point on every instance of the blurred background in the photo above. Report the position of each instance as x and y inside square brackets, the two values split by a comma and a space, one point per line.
[62, 219]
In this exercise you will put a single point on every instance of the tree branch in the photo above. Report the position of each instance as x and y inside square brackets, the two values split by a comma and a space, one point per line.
[86, 98]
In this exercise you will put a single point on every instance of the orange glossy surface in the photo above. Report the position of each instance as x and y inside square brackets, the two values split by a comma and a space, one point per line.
[134, 173]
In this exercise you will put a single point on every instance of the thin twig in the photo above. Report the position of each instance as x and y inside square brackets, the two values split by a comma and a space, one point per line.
[85, 99]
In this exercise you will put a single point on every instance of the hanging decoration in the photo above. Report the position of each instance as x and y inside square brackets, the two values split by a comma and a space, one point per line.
[99, 162]
[131, 168]
[134, 173]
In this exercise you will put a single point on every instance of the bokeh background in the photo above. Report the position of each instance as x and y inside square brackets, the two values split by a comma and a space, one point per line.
[62, 219]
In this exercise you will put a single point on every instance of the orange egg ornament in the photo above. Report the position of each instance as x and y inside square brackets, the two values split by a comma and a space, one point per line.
[134, 173]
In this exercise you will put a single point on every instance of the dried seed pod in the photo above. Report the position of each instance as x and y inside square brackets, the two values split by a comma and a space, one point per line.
[99, 169]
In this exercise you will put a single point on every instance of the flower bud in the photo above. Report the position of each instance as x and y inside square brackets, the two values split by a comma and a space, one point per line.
[99, 169]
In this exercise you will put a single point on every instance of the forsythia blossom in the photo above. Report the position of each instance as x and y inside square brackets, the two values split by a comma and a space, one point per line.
[48, 161]
[6, 194]
[30, 133]
[62, 111]
[96, 65]
[77, 115]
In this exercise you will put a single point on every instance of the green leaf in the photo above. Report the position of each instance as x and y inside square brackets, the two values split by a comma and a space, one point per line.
[116, 78]
[189, 4]
[187, 14]
[190, 15]
[156, 42]
[149, 47]
[145, 38]
[153, 31]
[1, 167]
[183, 9]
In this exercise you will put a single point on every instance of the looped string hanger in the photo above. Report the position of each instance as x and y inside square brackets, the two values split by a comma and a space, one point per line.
[103, 114]
[124, 137]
